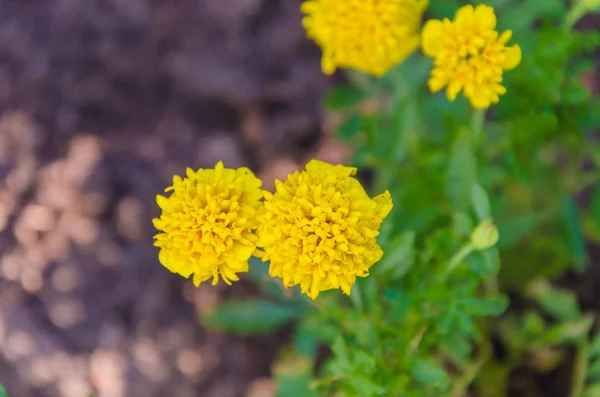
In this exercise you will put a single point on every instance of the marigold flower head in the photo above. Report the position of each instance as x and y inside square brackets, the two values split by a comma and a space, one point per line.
[319, 228]
[469, 55]
[366, 35]
[207, 223]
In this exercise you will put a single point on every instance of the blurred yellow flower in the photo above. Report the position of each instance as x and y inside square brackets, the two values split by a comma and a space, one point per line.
[469, 55]
[207, 223]
[366, 35]
[319, 228]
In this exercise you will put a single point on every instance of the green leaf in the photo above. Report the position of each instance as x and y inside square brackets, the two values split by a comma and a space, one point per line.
[340, 351]
[463, 224]
[342, 96]
[595, 206]
[567, 332]
[595, 345]
[3, 392]
[523, 14]
[364, 293]
[444, 9]
[513, 230]
[559, 303]
[431, 374]
[577, 243]
[258, 273]
[461, 174]
[295, 383]
[576, 93]
[489, 306]
[363, 362]
[251, 316]
[400, 301]
[306, 341]
[350, 127]
[592, 390]
[481, 202]
[398, 258]
[364, 386]
[492, 260]
[594, 369]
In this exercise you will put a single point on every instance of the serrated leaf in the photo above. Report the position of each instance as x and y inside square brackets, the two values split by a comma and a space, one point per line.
[398, 258]
[431, 374]
[481, 202]
[342, 96]
[251, 316]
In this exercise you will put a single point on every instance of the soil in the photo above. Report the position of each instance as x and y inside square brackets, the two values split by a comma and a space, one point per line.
[101, 102]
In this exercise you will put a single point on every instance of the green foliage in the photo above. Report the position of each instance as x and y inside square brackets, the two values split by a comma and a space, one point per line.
[250, 316]
[3, 392]
[422, 323]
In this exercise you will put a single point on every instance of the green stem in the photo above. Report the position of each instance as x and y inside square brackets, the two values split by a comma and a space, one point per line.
[477, 124]
[581, 368]
[470, 373]
[458, 258]
[575, 14]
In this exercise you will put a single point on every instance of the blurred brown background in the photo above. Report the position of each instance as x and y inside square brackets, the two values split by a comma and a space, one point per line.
[101, 102]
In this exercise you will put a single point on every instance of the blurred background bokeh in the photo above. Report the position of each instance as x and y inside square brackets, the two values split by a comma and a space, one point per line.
[101, 102]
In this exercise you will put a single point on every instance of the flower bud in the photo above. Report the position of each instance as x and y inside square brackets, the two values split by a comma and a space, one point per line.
[485, 235]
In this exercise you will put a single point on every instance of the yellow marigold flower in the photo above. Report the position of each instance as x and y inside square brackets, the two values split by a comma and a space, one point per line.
[366, 35]
[319, 228]
[207, 223]
[469, 55]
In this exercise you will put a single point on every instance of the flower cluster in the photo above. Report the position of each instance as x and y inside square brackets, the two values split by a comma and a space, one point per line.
[318, 229]
[367, 35]
[469, 55]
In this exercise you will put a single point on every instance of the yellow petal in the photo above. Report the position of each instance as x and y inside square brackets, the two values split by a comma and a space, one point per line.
[431, 37]
[512, 57]
[162, 202]
[485, 16]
